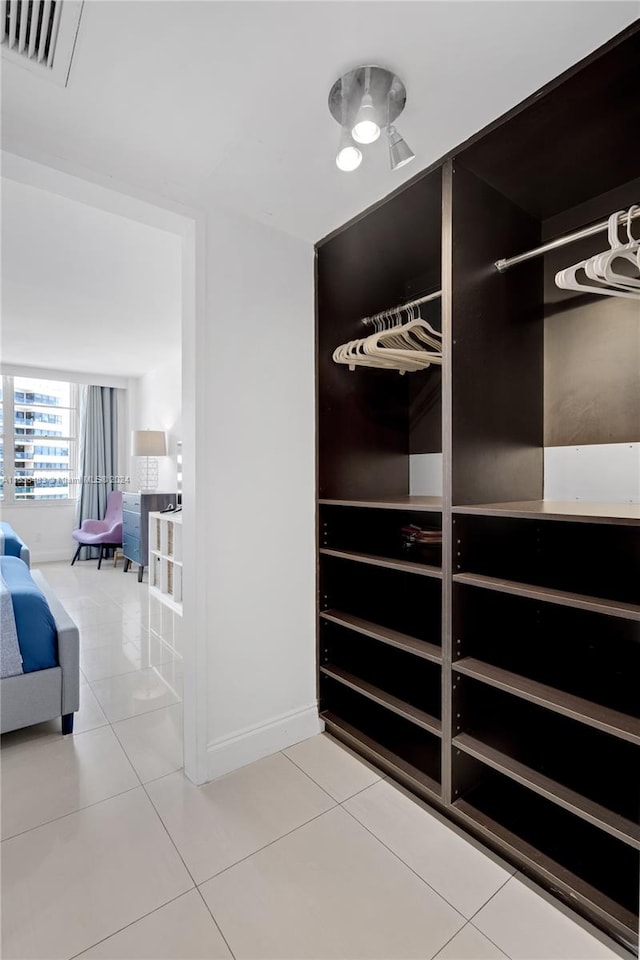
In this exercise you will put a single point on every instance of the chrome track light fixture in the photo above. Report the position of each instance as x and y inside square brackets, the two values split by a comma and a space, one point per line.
[364, 101]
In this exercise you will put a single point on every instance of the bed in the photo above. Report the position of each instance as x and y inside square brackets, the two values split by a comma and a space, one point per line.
[40, 651]
[11, 545]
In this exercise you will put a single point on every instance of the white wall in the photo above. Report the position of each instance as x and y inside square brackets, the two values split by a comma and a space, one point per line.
[45, 528]
[249, 472]
[155, 403]
[257, 439]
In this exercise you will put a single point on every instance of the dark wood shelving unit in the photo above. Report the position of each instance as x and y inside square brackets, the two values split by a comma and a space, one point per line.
[403, 709]
[419, 648]
[620, 922]
[406, 566]
[418, 503]
[628, 611]
[385, 759]
[595, 715]
[621, 827]
[492, 675]
[572, 511]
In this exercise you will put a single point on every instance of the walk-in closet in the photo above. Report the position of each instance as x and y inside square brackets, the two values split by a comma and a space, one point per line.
[479, 639]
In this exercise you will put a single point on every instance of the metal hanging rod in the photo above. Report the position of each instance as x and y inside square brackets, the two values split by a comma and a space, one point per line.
[591, 231]
[402, 306]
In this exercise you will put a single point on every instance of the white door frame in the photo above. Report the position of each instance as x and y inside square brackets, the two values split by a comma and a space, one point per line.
[63, 178]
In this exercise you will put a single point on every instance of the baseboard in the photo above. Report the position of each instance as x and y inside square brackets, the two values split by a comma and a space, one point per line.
[49, 556]
[254, 743]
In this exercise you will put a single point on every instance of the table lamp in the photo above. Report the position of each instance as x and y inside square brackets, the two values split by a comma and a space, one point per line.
[148, 445]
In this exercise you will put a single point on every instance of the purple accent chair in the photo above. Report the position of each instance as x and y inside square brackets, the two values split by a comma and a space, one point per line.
[101, 533]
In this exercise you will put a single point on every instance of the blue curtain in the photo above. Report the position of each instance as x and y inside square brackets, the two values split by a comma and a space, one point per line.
[98, 454]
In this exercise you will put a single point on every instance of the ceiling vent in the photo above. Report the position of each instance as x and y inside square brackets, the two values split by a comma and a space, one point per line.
[40, 35]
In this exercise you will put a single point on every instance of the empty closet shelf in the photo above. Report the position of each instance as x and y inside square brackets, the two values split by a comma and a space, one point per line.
[618, 826]
[394, 638]
[406, 566]
[384, 699]
[380, 755]
[613, 608]
[420, 504]
[571, 510]
[559, 877]
[593, 714]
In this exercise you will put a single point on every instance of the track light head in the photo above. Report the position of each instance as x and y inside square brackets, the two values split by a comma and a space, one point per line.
[400, 153]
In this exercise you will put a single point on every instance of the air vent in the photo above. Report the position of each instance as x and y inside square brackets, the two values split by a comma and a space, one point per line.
[40, 35]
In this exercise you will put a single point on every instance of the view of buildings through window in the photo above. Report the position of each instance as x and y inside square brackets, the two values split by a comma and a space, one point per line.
[38, 451]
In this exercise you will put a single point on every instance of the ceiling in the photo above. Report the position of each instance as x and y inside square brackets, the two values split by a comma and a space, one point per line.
[84, 290]
[226, 102]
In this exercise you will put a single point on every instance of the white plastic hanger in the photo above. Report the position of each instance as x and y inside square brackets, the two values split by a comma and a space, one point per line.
[601, 267]
[404, 347]
[566, 279]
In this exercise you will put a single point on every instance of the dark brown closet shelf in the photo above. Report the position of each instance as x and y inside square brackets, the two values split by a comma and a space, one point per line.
[381, 756]
[420, 648]
[580, 512]
[420, 504]
[595, 715]
[406, 566]
[613, 823]
[384, 699]
[614, 608]
[543, 867]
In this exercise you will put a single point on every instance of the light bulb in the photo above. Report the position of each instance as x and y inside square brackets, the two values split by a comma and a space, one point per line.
[349, 157]
[366, 129]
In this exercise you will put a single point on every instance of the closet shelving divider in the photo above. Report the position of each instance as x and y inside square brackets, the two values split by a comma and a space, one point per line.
[497, 679]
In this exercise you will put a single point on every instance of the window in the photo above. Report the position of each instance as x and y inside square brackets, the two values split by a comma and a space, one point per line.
[38, 439]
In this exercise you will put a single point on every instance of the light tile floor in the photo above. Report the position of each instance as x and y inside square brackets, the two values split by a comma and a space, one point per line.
[109, 852]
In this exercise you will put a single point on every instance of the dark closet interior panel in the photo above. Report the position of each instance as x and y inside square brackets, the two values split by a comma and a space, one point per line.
[590, 655]
[380, 532]
[603, 769]
[608, 866]
[496, 352]
[574, 142]
[592, 343]
[398, 601]
[365, 416]
[584, 558]
[402, 675]
[404, 740]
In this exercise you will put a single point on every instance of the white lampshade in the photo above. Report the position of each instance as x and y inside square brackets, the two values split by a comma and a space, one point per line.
[148, 443]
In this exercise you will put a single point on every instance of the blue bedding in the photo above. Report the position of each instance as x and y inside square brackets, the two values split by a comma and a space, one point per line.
[36, 628]
[10, 542]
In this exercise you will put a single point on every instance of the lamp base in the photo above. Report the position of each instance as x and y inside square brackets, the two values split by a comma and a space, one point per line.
[148, 475]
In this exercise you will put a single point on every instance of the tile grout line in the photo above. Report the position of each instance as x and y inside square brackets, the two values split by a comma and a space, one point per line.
[214, 876]
[141, 785]
[319, 786]
[111, 724]
[133, 716]
[72, 813]
[436, 955]
[399, 858]
[127, 925]
[501, 887]
[472, 924]
[210, 912]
